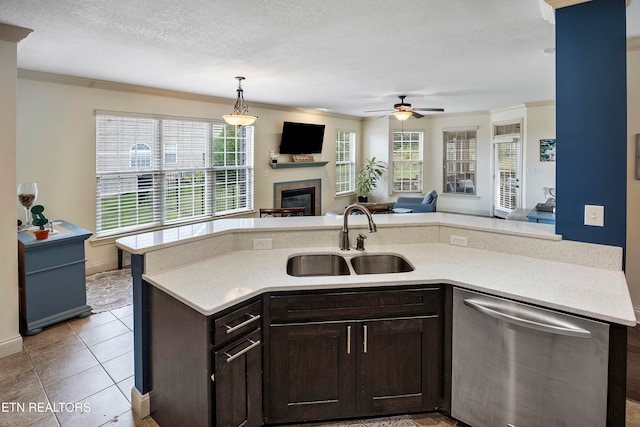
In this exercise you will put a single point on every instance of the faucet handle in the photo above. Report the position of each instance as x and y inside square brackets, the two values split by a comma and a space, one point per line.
[360, 242]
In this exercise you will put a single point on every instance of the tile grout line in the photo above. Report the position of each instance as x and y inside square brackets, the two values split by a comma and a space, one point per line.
[44, 391]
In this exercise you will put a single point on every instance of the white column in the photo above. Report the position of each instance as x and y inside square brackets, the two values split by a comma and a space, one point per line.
[10, 339]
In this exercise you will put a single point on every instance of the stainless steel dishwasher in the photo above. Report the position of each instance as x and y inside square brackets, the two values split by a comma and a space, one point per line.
[516, 365]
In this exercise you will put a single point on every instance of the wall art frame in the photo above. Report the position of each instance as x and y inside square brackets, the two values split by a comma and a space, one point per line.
[547, 150]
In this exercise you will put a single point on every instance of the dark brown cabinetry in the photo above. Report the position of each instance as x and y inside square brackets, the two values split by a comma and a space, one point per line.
[399, 366]
[238, 367]
[327, 355]
[345, 354]
[205, 370]
[312, 372]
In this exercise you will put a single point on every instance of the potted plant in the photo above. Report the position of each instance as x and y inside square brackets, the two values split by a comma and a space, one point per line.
[39, 220]
[368, 177]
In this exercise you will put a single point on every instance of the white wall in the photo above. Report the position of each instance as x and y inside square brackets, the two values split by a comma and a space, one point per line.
[480, 203]
[56, 145]
[10, 340]
[541, 124]
[375, 143]
[633, 185]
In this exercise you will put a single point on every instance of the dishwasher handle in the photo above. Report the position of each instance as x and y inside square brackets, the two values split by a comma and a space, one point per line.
[531, 324]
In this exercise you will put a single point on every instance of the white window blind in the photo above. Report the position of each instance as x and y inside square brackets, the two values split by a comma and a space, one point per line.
[152, 172]
[345, 162]
[507, 161]
[459, 169]
[407, 161]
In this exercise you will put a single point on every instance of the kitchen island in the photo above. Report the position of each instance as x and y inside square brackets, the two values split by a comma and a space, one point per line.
[211, 269]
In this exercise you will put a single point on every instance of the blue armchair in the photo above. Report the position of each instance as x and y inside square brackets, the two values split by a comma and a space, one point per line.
[418, 204]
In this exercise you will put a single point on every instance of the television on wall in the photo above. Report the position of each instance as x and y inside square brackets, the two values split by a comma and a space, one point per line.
[301, 138]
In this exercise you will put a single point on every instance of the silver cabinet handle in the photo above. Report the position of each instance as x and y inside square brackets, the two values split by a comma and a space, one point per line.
[364, 329]
[348, 339]
[243, 351]
[231, 329]
[571, 331]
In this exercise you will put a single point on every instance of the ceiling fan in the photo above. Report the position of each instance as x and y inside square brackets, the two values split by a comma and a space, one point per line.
[403, 110]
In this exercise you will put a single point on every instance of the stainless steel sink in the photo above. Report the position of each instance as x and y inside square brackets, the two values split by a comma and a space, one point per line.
[317, 265]
[380, 264]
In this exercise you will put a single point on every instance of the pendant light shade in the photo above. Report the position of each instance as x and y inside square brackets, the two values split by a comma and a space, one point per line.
[240, 110]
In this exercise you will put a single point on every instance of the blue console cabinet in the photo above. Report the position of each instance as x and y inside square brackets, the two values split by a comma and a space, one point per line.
[52, 277]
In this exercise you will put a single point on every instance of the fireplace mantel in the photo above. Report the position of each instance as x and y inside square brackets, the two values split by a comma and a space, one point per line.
[286, 165]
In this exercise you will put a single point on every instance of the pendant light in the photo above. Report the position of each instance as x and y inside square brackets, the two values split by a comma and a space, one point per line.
[240, 110]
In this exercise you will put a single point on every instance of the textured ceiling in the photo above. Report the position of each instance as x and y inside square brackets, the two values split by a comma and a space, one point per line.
[347, 56]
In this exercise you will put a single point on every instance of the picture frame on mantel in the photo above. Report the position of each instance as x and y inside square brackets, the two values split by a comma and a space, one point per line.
[637, 155]
[547, 150]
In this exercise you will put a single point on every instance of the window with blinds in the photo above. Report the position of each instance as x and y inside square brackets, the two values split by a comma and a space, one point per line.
[407, 161]
[459, 168]
[345, 162]
[507, 161]
[154, 172]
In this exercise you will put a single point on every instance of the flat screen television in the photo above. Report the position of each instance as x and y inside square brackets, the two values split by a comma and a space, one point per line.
[301, 138]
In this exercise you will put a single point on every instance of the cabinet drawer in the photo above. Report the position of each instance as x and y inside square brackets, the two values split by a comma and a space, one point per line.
[236, 323]
[52, 256]
[346, 305]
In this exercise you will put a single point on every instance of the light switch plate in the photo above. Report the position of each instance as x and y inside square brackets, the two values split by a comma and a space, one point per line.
[458, 241]
[594, 215]
[262, 244]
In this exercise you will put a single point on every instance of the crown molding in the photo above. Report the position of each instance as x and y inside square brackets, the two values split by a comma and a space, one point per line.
[11, 33]
[42, 76]
[556, 4]
[633, 44]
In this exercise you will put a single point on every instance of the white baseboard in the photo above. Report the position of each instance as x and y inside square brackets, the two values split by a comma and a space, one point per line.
[140, 403]
[100, 267]
[11, 346]
[637, 311]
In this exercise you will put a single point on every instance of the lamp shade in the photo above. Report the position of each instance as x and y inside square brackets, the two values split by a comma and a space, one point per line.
[402, 115]
[239, 119]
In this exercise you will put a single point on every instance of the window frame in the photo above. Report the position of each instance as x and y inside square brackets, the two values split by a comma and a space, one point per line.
[412, 165]
[463, 161]
[348, 185]
[177, 189]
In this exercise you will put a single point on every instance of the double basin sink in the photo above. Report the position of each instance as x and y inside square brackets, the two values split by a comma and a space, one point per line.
[336, 265]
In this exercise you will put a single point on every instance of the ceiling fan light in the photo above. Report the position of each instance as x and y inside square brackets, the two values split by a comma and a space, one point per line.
[240, 109]
[402, 115]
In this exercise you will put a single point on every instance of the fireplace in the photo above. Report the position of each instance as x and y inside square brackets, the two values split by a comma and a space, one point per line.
[298, 193]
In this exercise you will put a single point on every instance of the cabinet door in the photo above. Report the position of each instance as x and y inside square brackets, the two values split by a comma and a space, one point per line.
[238, 383]
[398, 365]
[312, 371]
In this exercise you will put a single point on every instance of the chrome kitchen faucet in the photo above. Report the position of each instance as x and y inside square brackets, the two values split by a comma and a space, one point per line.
[344, 234]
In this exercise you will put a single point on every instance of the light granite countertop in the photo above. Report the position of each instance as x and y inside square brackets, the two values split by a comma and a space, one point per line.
[210, 266]
[153, 240]
[217, 283]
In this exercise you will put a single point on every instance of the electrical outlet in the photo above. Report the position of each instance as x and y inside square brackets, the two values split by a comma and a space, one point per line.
[261, 244]
[458, 241]
[594, 215]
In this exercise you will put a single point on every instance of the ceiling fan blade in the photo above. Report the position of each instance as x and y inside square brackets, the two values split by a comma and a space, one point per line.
[428, 109]
[378, 111]
[417, 115]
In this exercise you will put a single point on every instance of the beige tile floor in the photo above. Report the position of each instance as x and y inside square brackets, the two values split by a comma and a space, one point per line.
[88, 364]
[82, 368]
